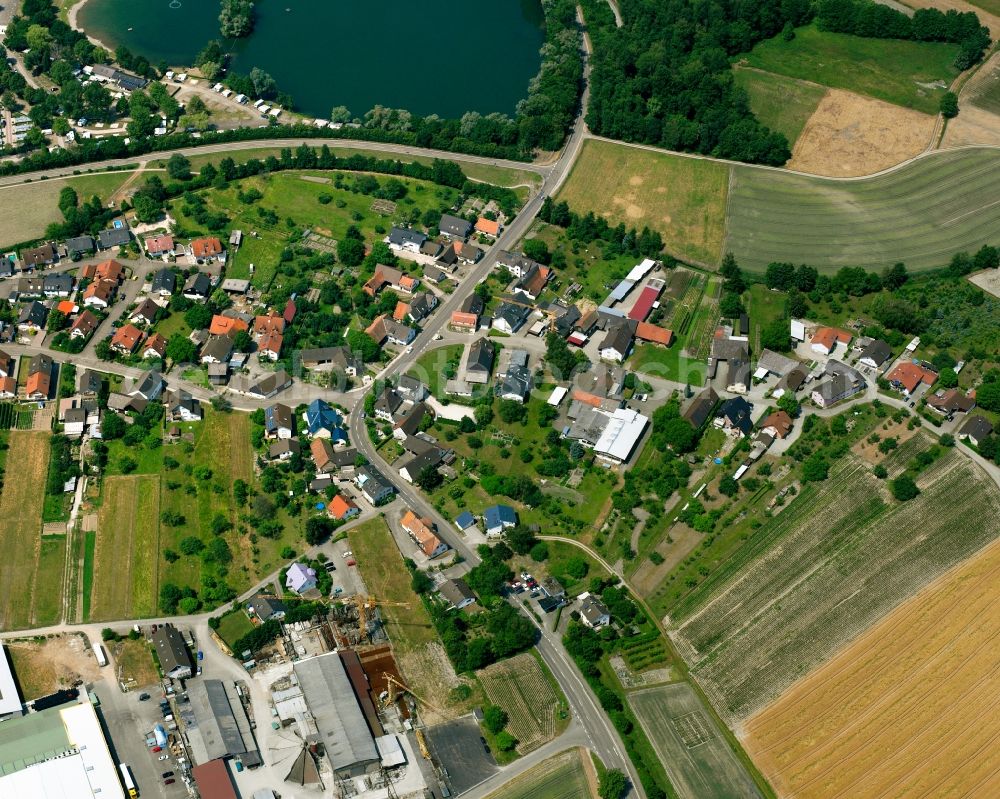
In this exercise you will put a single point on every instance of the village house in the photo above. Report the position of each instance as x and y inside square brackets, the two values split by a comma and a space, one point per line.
[593, 612]
[387, 404]
[454, 227]
[734, 417]
[226, 326]
[44, 255]
[269, 347]
[876, 353]
[510, 318]
[58, 284]
[158, 246]
[300, 578]
[826, 339]
[182, 407]
[283, 449]
[322, 421]
[164, 283]
[420, 531]
[217, 349]
[487, 227]
[149, 385]
[78, 246]
[456, 593]
[207, 249]
[515, 263]
[278, 421]
[975, 430]
[497, 519]
[405, 239]
[533, 282]
[32, 317]
[268, 324]
[343, 508]
[328, 359]
[429, 458]
[950, 402]
[198, 287]
[6, 364]
[39, 384]
[907, 376]
[842, 382]
[145, 312]
[322, 454]
[384, 329]
[155, 347]
[100, 293]
[479, 363]
[467, 253]
[375, 487]
[126, 339]
[618, 342]
[113, 237]
[777, 424]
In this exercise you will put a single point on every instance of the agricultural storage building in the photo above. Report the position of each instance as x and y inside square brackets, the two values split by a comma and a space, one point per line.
[340, 724]
[214, 780]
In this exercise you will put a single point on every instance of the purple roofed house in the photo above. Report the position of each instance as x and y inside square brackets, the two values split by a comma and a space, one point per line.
[300, 578]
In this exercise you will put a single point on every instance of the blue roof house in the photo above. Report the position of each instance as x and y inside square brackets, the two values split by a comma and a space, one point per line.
[300, 578]
[499, 518]
[464, 520]
[322, 421]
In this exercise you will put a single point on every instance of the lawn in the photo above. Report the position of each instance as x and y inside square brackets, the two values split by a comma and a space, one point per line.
[763, 307]
[136, 662]
[127, 552]
[920, 214]
[30, 207]
[783, 104]
[682, 198]
[291, 197]
[385, 575]
[233, 626]
[894, 70]
[848, 555]
[559, 777]
[668, 363]
[21, 526]
[698, 759]
[430, 367]
[48, 604]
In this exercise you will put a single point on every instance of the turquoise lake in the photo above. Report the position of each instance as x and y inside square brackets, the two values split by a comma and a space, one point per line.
[441, 57]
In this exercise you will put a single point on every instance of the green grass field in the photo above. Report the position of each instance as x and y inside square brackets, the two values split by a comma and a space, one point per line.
[683, 198]
[430, 367]
[697, 758]
[385, 576]
[848, 555]
[233, 626]
[986, 93]
[48, 606]
[290, 196]
[783, 104]
[29, 208]
[559, 777]
[920, 214]
[21, 526]
[896, 71]
[127, 551]
[992, 6]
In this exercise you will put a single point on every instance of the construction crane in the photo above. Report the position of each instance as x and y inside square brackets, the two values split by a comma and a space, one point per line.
[391, 694]
[366, 604]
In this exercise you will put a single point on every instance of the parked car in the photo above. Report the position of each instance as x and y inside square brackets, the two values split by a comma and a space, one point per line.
[166, 774]
[143, 697]
[157, 749]
[201, 655]
[163, 757]
[169, 782]
[330, 567]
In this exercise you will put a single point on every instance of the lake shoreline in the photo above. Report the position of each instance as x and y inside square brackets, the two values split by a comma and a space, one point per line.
[71, 18]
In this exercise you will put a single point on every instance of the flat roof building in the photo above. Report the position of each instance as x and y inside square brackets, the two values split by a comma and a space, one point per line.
[59, 753]
[10, 699]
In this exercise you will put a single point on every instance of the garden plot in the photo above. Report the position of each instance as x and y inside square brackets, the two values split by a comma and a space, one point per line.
[521, 689]
[697, 758]
[839, 558]
[559, 777]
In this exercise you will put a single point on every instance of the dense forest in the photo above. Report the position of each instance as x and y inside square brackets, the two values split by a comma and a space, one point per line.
[664, 78]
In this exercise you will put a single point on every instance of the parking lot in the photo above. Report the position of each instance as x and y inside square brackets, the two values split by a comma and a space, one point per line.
[129, 722]
[345, 577]
[459, 747]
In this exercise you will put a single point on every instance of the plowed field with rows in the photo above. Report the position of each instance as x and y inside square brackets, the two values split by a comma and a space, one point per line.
[521, 689]
[829, 566]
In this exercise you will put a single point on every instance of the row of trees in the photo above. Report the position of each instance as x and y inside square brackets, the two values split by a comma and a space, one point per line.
[877, 21]
[590, 227]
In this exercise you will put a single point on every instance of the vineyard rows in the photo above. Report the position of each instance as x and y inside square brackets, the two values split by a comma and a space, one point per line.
[832, 564]
[521, 689]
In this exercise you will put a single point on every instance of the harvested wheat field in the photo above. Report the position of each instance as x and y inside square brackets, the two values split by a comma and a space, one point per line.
[908, 709]
[978, 120]
[849, 135]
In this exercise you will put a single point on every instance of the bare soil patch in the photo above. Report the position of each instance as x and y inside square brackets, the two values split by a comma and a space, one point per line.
[47, 666]
[907, 709]
[429, 672]
[988, 281]
[978, 120]
[871, 452]
[674, 547]
[850, 135]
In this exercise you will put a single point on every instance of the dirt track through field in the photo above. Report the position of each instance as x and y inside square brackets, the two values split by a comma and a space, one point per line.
[908, 709]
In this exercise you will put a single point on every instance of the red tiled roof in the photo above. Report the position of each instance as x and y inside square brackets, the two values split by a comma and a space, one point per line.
[109, 270]
[203, 248]
[8, 385]
[339, 507]
[780, 421]
[157, 343]
[658, 335]
[159, 243]
[488, 226]
[127, 338]
[38, 383]
[226, 325]
[462, 319]
[66, 307]
[269, 323]
[644, 304]
[909, 375]
[829, 337]
[402, 309]
[271, 343]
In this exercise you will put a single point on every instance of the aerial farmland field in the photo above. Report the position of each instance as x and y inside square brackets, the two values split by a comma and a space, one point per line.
[24, 594]
[682, 198]
[522, 690]
[832, 563]
[697, 758]
[908, 709]
[559, 777]
[920, 214]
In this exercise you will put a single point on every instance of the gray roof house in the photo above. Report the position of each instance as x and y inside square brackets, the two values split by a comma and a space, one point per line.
[171, 651]
[976, 429]
[387, 404]
[401, 238]
[79, 245]
[480, 361]
[149, 385]
[113, 237]
[618, 342]
[32, 315]
[217, 350]
[164, 282]
[875, 354]
[456, 593]
[593, 612]
[454, 227]
[509, 318]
